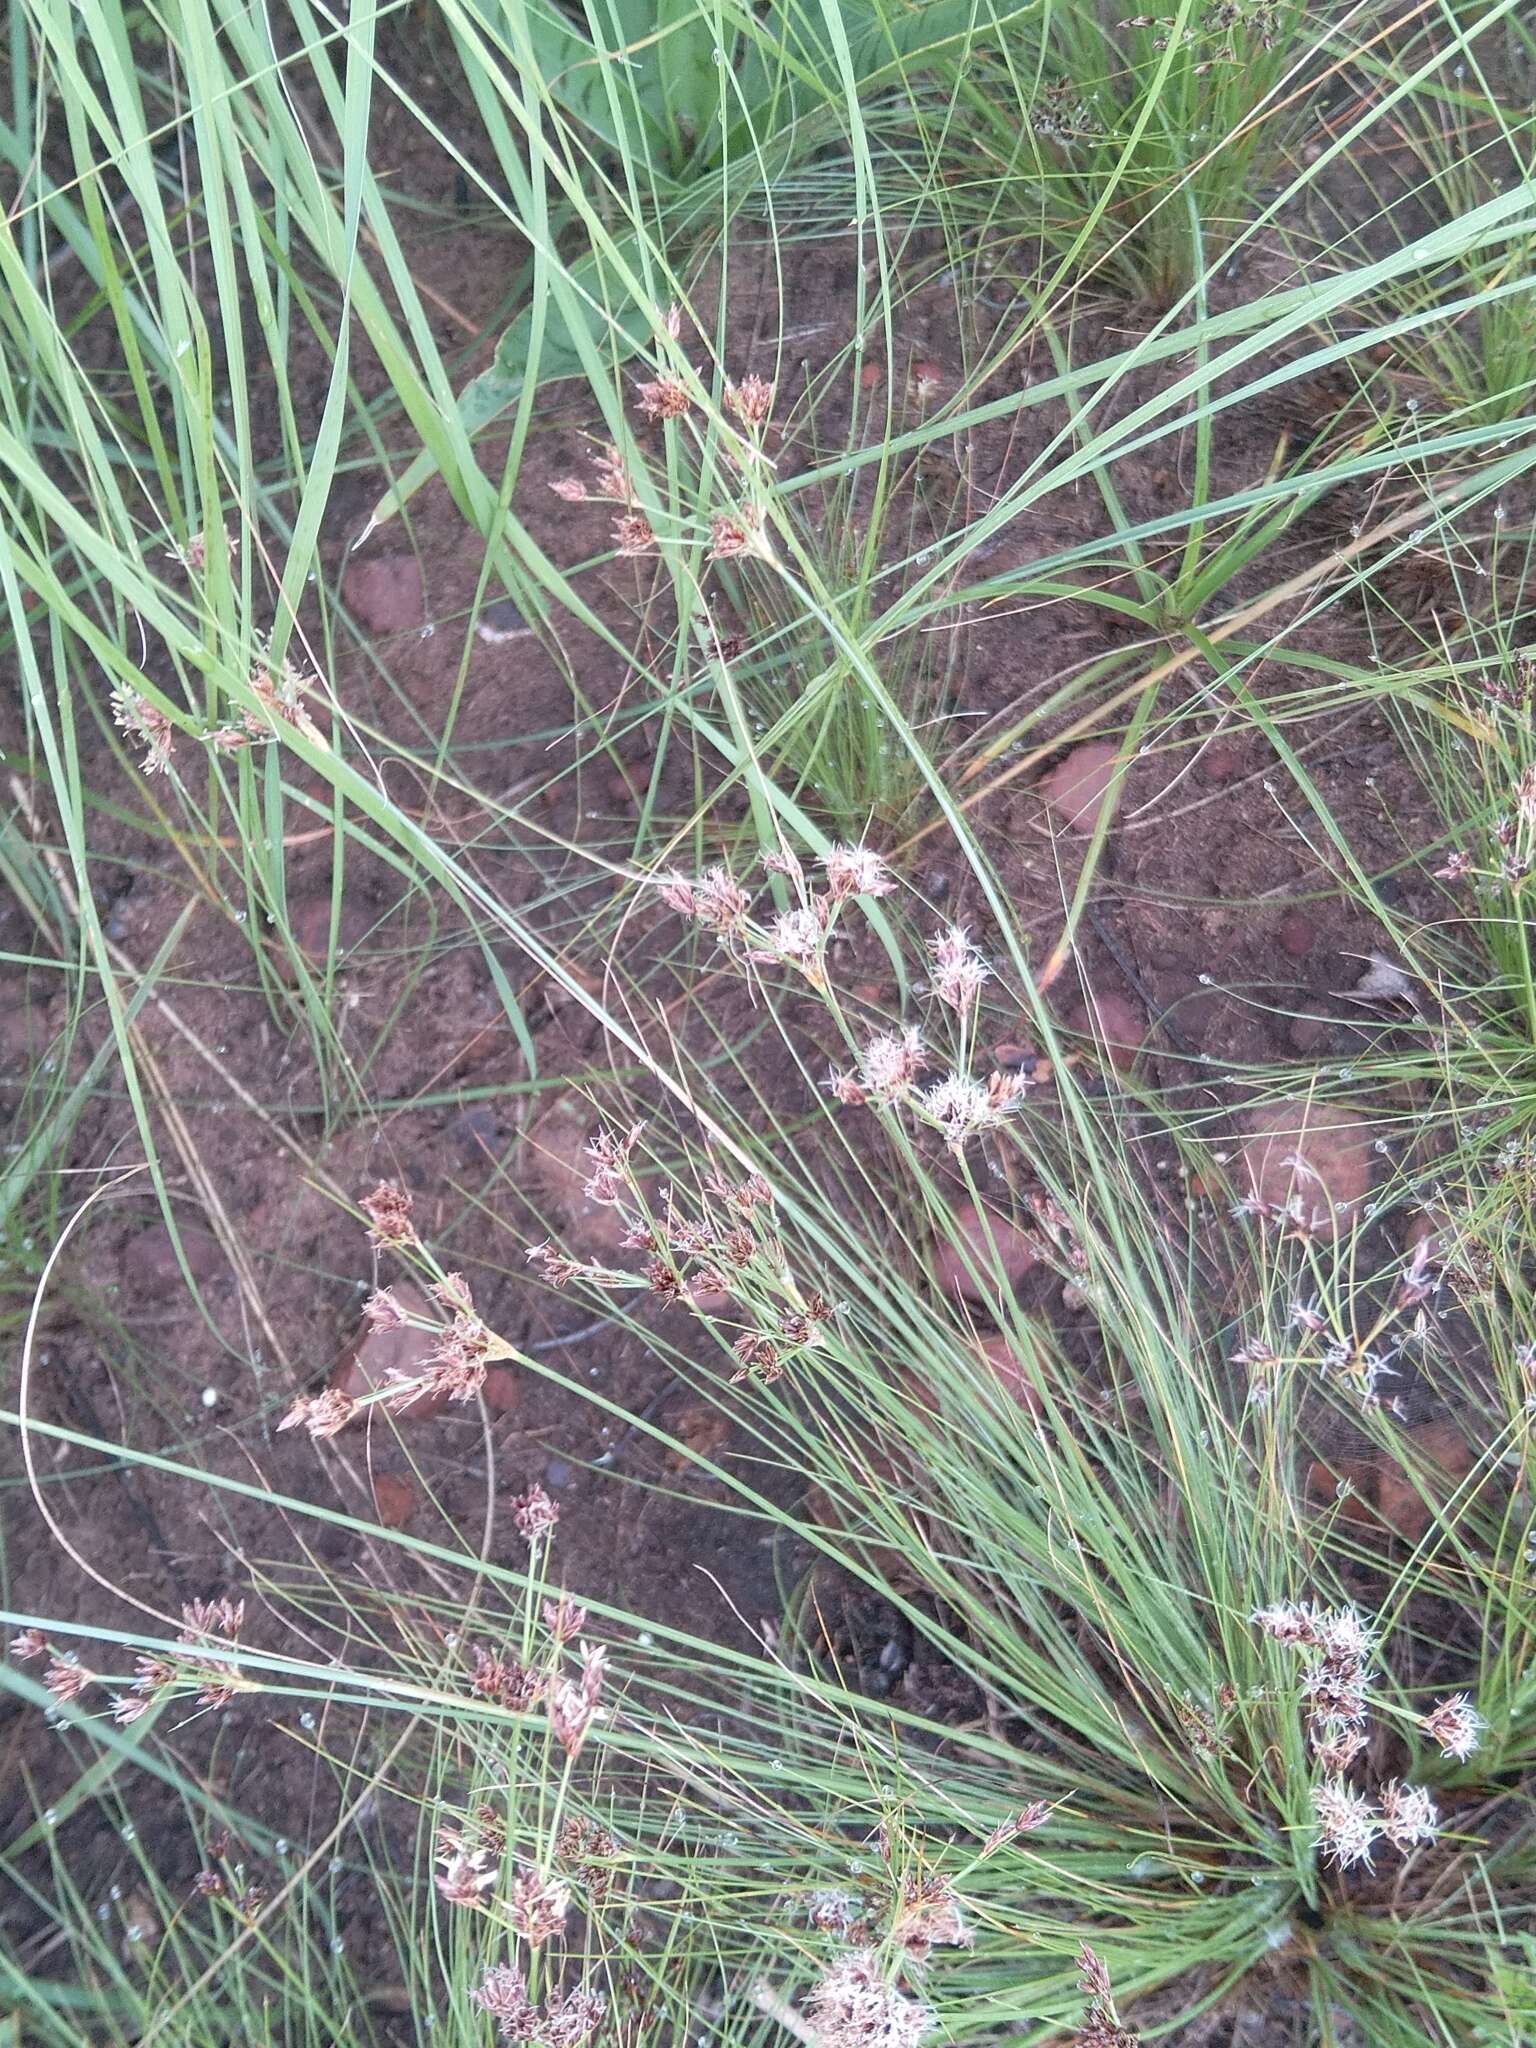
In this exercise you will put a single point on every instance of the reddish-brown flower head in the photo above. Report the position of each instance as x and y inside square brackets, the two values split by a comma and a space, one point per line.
[663, 398]
[388, 1210]
[751, 400]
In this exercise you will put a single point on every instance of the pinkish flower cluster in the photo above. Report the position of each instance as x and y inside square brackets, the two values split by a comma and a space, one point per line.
[856, 871]
[796, 937]
[466, 1877]
[751, 400]
[663, 398]
[454, 1369]
[855, 2005]
[565, 2019]
[574, 1702]
[715, 901]
[928, 1916]
[534, 1515]
[960, 1107]
[1337, 1646]
[146, 725]
[1024, 1822]
[958, 969]
[537, 1906]
[388, 1210]
[1337, 1643]
[1348, 1824]
[1455, 1727]
[506, 1682]
[1101, 2026]
[212, 1683]
[612, 1179]
[322, 1415]
[1409, 1816]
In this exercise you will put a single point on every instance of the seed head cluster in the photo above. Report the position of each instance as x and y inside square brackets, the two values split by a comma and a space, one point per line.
[1455, 1727]
[1336, 1645]
[565, 2018]
[855, 2005]
[1101, 2026]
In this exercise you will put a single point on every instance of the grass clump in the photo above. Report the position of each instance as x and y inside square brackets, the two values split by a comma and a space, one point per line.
[1150, 1645]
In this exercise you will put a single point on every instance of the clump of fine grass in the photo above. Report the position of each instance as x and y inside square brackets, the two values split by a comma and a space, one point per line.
[1223, 1728]
[1142, 143]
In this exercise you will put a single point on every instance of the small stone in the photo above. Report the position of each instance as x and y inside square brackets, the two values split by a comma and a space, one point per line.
[1309, 1034]
[558, 1148]
[1078, 787]
[149, 1257]
[1313, 1152]
[502, 621]
[395, 1499]
[1372, 1490]
[384, 593]
[1222, 762]
[1011, 1057]
[1296, 933]
[377, 1358]
[1012, 1374]
[988, 1245]
[1431, 1226]
[1115, 1022]
[1408, 1509]
[141, 1925]
[501, 1390]
[701, 1430]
